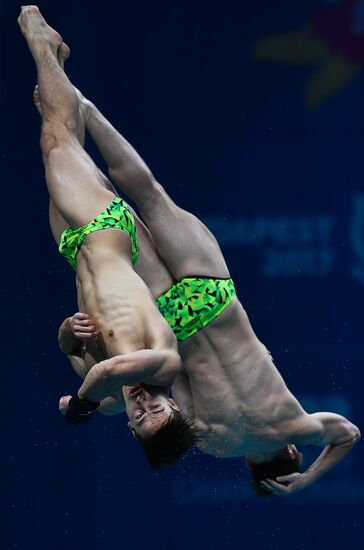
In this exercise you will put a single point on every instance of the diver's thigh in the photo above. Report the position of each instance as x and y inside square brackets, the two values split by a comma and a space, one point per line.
[75, 184]
[183, 241]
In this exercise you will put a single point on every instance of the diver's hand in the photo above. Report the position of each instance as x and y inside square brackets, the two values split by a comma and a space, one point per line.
[76, 410]
[82, 327]
[63, 403]
[286, 485]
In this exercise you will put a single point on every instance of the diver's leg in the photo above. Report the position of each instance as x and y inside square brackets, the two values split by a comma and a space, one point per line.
[72, 177]
[183, 242]
[56, 221]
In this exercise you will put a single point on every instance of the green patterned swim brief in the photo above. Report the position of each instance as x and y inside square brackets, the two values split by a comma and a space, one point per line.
[193, 303]
[116, 216]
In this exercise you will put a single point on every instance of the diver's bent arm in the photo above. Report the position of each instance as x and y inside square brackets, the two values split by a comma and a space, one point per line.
[339, 436]
[148, 366]
[67, 341]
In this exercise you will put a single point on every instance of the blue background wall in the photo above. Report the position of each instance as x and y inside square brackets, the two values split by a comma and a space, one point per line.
[234, 139]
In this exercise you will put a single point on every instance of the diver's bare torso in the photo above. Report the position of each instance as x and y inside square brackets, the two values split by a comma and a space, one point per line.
[115, 297]
[237, 396]
[229, 385]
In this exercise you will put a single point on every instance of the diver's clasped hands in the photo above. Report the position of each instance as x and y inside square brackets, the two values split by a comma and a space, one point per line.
[286, 485]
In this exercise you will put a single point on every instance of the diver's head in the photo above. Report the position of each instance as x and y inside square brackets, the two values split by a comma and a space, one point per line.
[286, 461]
[148, 408]
[158, 425]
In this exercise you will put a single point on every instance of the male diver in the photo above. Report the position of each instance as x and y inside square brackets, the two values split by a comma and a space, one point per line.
[96, 234]
[229, 385]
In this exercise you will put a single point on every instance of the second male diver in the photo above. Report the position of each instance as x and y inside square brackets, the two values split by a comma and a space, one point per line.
[229, 385]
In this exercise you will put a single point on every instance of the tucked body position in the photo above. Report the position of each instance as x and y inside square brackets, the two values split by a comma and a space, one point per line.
[96, 234]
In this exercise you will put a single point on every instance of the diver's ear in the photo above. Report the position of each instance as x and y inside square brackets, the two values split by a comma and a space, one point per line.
[290, 452]
[131, 428]
[173, 404]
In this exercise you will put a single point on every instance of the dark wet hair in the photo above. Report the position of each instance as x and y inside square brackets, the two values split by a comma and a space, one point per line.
[171, 442]
[278, 466]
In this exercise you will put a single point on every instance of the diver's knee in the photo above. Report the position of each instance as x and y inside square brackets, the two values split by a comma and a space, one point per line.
[48, 140]
[53, 137]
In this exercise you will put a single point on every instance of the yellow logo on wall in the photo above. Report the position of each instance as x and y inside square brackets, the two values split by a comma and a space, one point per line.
[333, 40]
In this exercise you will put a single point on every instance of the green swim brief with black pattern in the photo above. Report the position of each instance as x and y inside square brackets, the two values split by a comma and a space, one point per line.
[116, 216]
[193, 303]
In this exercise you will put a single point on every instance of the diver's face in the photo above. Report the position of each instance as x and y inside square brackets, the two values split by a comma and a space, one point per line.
[148, 407]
